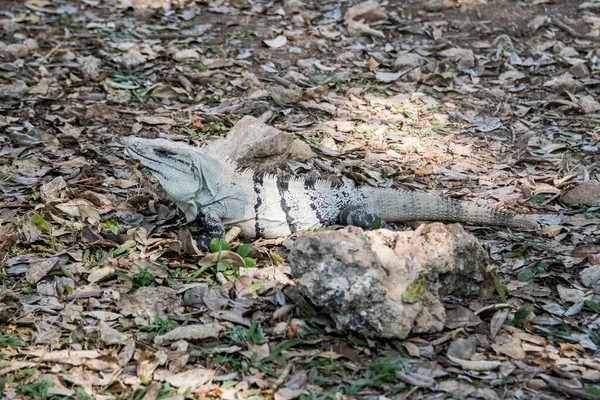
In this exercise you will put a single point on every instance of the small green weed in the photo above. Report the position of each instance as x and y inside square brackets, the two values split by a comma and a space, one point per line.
[141, 279]
[218, 245]
[253, 335]
[126, 76]
[11, 340]
[160, 326]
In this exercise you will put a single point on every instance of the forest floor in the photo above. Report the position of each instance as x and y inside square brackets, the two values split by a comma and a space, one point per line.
[482, 100]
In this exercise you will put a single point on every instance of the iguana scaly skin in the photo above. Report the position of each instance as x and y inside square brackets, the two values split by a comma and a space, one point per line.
[214, 191]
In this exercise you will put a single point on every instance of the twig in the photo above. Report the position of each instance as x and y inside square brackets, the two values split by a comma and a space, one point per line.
[573, 32]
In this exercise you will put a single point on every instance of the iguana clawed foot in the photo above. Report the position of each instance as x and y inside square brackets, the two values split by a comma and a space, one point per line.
[210, 228]
[358, 216]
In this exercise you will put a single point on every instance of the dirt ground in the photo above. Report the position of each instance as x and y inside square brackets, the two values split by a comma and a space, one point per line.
[487, 101]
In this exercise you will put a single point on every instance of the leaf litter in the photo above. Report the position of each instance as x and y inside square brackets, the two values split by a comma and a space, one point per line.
[103, 295]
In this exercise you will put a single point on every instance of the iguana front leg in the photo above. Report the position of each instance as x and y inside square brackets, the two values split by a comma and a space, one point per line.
[210, 228]
[356, 215]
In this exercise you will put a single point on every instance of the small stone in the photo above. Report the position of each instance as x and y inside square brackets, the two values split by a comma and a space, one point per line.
[580, 70]
[565, 82]
[63, 55]
[132, 58]
[292, 6]
[90, 67]
[188, 54]
[464, 58]
[587, 194]
[16, 51]
[434, 6]
[369, 11]
[9, 26]
[569, 52]
[14, 91]
[297, 20]
[407, 61]
[588, 104]
[283, 96]
[31, 44]
[590, 277]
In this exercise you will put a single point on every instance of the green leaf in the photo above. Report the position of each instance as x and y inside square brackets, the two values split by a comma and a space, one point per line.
[244, 249]
[250, 262]
[277, 258]
[592, 305]
[222, 266]
[41, 223]
[513, 254]
[521, 314]
[414, 292]
[254, 287]
[218, 244]
[377, 224]
[526, 275]
[123, 249]
[501, 289]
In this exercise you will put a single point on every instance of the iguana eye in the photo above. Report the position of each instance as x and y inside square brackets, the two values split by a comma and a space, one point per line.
[161, 152]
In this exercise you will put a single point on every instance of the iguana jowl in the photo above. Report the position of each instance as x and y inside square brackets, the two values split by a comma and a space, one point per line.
[213, 190]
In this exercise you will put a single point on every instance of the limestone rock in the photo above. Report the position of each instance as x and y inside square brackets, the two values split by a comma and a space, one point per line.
[15, 90]
[407, 61]
[283, 96]
[590, 277]
[587, 193]
[133, 58]
[463, 58]
[364, 278]
[90, 67]
[368, 11]
[256, 145]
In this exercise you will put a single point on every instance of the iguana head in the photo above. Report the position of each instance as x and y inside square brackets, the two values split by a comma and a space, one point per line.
[172, 164]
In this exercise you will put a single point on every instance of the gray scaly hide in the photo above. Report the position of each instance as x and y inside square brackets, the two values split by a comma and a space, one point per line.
[201, 184]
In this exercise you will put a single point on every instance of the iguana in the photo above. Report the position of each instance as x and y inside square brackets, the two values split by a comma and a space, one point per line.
[215, 192]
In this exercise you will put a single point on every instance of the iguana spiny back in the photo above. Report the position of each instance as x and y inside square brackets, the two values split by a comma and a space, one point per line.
[209, 188]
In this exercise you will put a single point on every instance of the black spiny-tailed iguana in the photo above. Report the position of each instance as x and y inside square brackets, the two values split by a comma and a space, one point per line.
[214, 191]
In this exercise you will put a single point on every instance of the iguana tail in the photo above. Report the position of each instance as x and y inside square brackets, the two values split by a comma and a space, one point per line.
[402, 205]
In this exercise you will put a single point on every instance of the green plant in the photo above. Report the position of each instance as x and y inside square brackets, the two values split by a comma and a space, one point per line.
[11, 340]
[253, 335]
[142, 278]
[160, 326]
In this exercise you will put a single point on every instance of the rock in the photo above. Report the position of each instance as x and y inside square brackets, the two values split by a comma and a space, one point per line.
[464, 58]
[587, 194]
[256, 145]
[9, 26]
[407, 61]
[90, 67]
[580, 70]
[184, 55]
[158, 299]
[132, 58]
[63, 55]
[565, 82]
[356, 28]
[434, 6]
[588, 104]
[15, 50]
[15, 90]
[31, 44]
[388, 284]
[369, 11]
[590, 277]
[292, 6]
[283, 96]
